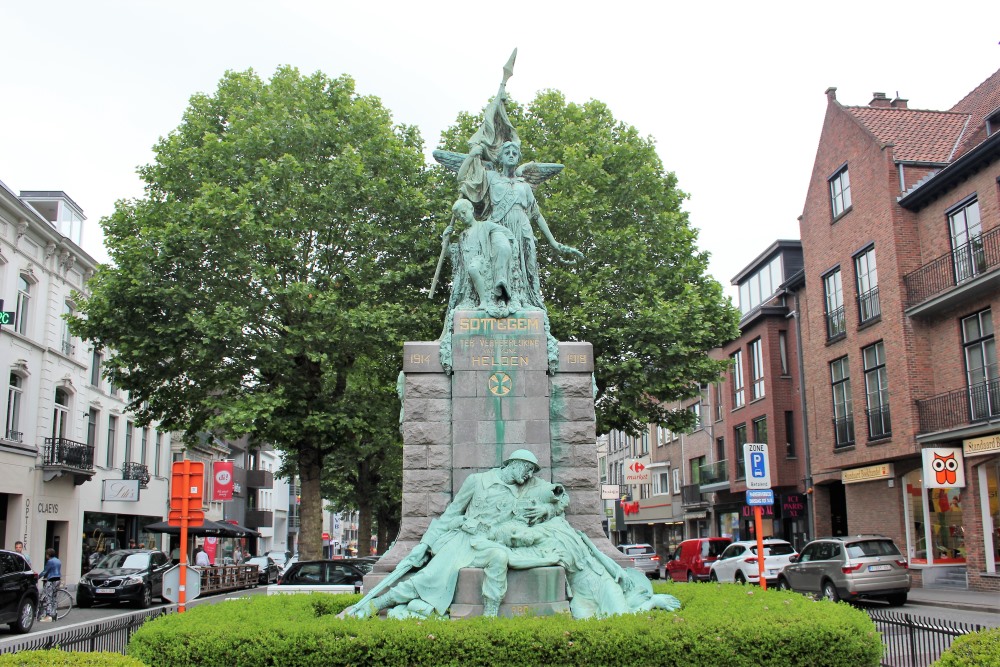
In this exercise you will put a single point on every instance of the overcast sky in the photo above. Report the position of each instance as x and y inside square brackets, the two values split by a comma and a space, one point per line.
[732, 92]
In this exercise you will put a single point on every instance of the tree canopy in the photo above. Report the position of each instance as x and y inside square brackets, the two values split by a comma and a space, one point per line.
[642, 296]
[274, 264]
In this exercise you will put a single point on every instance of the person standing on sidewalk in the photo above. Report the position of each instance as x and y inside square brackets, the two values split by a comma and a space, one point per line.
[52, 574]
[19, 548]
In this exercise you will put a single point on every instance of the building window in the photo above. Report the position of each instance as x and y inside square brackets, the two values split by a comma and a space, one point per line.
[645, 441]
[60, 414]
[840, 192]
[677, 480]
[92, 416]
[789, 434]
[739, 439]
[833, 293]
[760, 286]
[720, 449]
[695, 466]
[760, 430]
[864, 268]
[756, 370]
[67, 338]
[14, 408]
[718, 401]
[966, 241]
[109, 457]
[783, 351]
[95, 368]
[695, 410]
[843, 412]
[142, 445]
[129, 430]
[877, 391]
[23, 313]
[661, 483]
[981, 365]
[157, 453]
[737, 377]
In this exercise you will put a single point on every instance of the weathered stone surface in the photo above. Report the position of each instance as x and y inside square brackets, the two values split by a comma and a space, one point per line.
[415, 457]
[465, 383]
[426, 433]
[414, 504]
[539, 584]
[576, 478]
[428, 385]
[437, 502]
[412, 529]
[584, 502]
[476, 408]
[439, 456]
[572, 433]
[536, 383]
[573, 410]
[572, 385]
[427, 409]
[575, 456]
[576, 357]
[536, 432]
[476, 455]
[422, 357]
[527, 408]
[424, 481]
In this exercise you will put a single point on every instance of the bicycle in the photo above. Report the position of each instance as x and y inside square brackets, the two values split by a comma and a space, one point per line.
[64, 602]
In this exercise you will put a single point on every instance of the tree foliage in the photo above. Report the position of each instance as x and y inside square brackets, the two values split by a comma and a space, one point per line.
[642, 296]
[272, 268]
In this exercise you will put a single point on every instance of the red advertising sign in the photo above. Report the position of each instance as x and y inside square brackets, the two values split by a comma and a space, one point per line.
[222, 480]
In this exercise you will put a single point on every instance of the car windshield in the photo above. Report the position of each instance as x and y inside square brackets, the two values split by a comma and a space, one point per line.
[632, 551]
[775, 550]
[712, 548]
[871, 548]
[125, 561]
[258, 560]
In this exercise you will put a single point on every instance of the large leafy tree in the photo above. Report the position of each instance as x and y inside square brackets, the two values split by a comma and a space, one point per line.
[273, 265]
[642, 296]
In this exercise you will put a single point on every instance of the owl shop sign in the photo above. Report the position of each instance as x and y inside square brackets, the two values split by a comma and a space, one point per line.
[944, 468]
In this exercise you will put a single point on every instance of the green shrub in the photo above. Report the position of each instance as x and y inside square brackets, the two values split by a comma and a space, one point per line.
[57, 658]
[718, 625]
[973, 650]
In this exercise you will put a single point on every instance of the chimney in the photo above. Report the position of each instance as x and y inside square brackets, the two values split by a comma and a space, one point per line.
[899, 102]
[879, 100]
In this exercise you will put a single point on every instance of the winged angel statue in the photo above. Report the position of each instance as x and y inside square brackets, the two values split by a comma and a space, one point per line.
[496, 263]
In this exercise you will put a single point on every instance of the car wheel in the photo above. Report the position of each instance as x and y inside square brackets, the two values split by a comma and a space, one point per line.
[690, 577]
[25, 617]
[713, 577]
[896, 599]
[783, 584]
[146, 599]
[830, 591]
[739, 578]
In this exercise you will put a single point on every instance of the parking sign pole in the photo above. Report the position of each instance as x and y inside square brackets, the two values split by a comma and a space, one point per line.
[758, 523]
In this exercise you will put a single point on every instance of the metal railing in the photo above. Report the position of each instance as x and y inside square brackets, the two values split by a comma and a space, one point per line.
[914, 641]
[836, 325]
[961, 407]
[843, 431]
[713, 473]
[868, 306]
[111, 635]
[979, 255]
[879, 422]
[16, 436]
[691, 496]
[68, 348]
[139, 471]
[66, 452]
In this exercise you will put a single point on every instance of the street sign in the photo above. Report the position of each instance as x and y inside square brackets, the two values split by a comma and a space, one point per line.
[760, 497]
[6, 316]
[637, 471]
[610, 491]
[756, 466]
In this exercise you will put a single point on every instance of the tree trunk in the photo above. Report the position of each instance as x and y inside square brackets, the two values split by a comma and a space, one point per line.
[365, 506]
[311, 507]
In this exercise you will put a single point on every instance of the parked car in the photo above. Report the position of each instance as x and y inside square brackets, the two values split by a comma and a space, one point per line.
[18, 592]
[319, 576]
[643, 558]
[267, 570]
[280, 558]
[693, 558]
[739, 564]
[126, 575]
[850, 568]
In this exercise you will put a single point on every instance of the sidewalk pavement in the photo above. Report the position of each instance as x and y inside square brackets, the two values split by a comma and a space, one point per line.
[956, 598]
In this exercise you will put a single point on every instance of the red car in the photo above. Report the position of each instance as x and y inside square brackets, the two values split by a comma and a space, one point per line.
[693, 558]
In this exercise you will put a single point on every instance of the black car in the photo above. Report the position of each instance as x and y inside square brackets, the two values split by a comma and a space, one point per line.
[127, 575]
[331, 576]
[267, 570]
[18, 592]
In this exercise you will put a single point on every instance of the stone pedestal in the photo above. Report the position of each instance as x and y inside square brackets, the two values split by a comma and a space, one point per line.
[540, 591]
[501, 397]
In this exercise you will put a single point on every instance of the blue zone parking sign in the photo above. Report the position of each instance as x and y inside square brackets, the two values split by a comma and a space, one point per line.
[760, 497]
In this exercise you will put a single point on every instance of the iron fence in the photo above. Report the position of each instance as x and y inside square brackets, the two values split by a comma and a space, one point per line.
[111, 635]
[979, 255]
[960, 407]
[914, 641]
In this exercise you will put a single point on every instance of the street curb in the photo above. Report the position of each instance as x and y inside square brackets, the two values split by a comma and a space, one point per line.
[956, 605]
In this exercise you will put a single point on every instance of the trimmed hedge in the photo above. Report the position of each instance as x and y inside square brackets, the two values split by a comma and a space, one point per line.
[729, 625]
[55, 657]
[973, 650]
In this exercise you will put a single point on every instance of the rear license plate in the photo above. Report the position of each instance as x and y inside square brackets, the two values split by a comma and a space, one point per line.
[879, 568]
[104, 591]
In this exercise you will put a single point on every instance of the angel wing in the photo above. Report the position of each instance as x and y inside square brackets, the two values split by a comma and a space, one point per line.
[449, 160]
[536, 173]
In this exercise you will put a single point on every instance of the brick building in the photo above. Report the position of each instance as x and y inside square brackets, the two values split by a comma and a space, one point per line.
[901, 239]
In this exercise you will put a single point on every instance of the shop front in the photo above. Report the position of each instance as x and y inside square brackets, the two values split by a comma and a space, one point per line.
[105, 532]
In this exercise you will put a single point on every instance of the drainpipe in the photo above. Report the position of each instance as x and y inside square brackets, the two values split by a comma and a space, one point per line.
[796, 315]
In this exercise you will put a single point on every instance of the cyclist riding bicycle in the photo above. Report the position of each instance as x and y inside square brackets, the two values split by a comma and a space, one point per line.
[51, 575]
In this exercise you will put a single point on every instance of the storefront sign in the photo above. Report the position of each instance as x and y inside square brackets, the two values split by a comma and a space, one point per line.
[637, 471]
[122, 490]
[944, 468]
[610, 491]
[793, 506]
[766, 510]
[867, 474]
[989, 444]
[222, 476]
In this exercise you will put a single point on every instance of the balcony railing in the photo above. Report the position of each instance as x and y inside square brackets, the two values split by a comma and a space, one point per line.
[294, 521]
[16, 436]
[68, 348]
[139, 471]
[869, 307]
[961, 407]
[835, 323]
[713, 473]
[69, 453]
[843, 431]
[259, 519]
[879, 424]
[980, 255]
[691, 496]
[260, 479]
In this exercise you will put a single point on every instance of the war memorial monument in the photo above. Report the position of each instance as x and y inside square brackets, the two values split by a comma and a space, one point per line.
[501, 501]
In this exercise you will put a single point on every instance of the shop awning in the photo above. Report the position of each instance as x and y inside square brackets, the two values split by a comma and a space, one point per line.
[218, 529]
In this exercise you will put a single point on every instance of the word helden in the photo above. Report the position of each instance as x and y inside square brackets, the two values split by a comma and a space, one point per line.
[486, 324]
